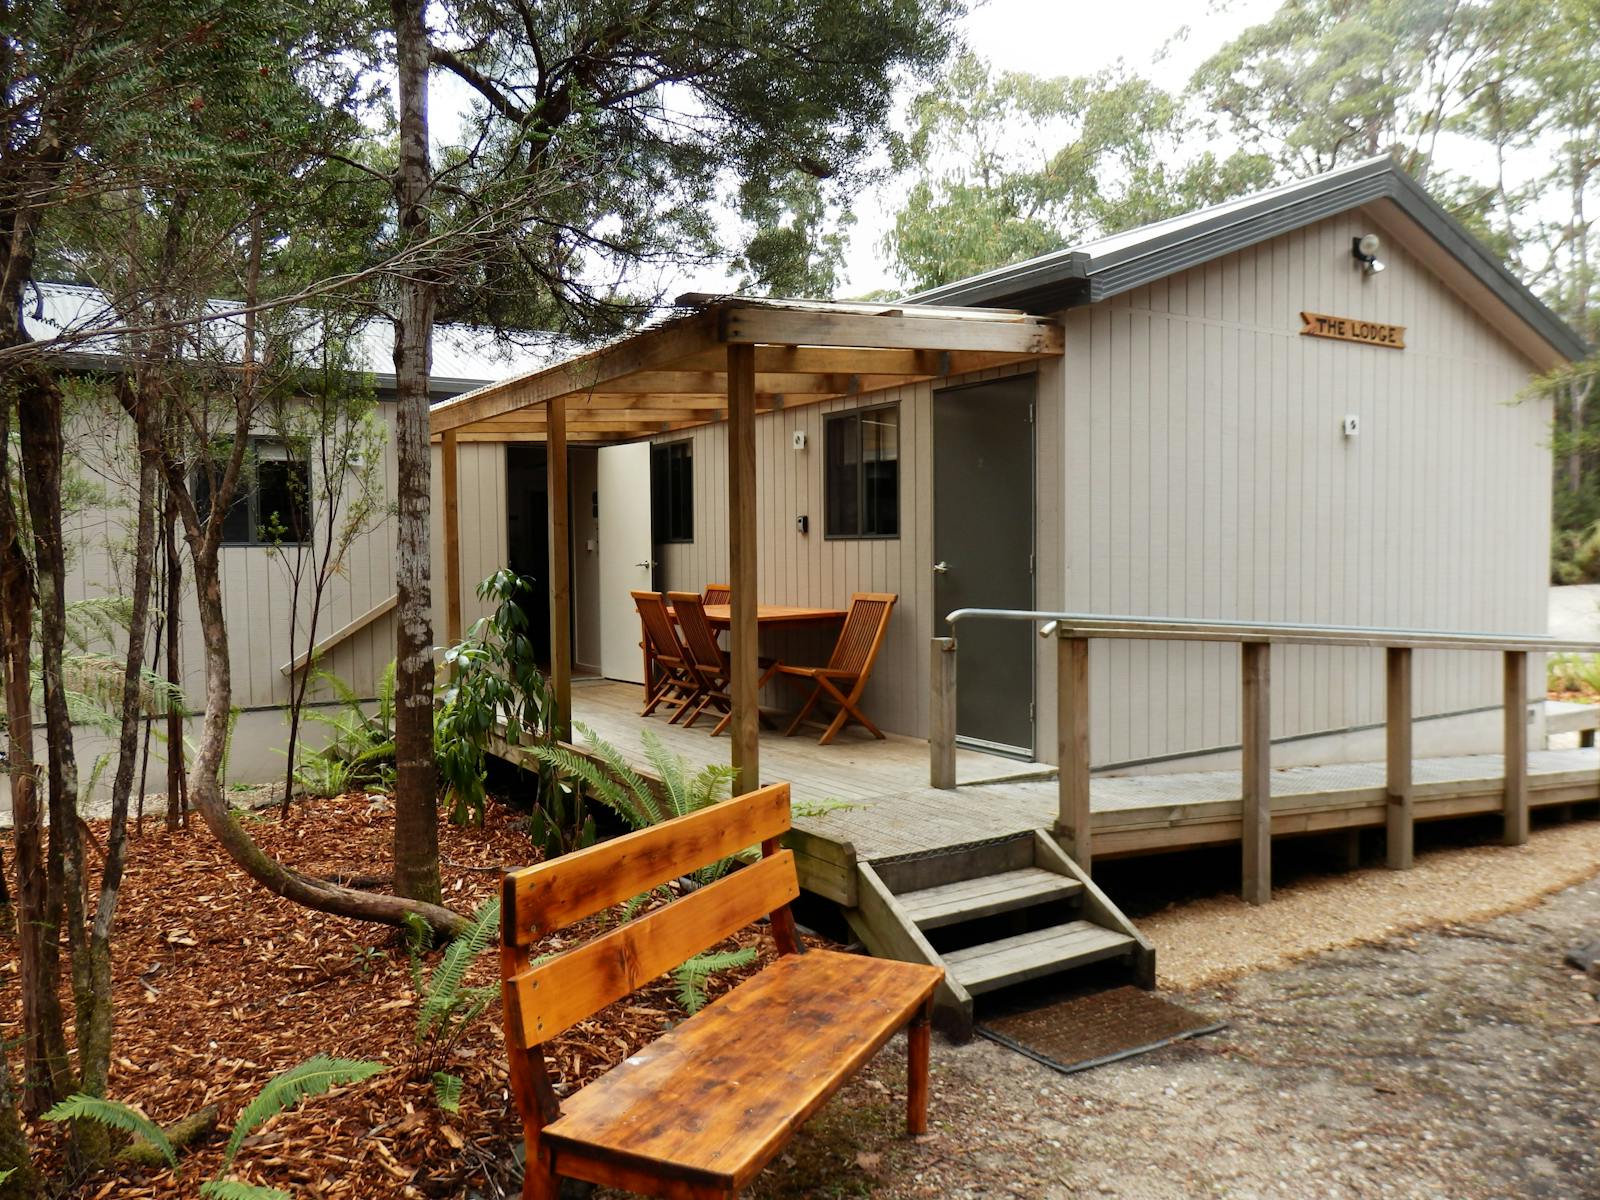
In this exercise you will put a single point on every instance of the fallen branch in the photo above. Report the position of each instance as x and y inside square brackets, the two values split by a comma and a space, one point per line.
[190, 1129]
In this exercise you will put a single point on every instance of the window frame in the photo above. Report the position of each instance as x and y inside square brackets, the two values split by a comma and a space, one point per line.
[858, 416]
[679, 450]
[249, 494]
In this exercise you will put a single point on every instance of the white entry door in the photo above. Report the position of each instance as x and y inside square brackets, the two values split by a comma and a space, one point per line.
[625, 548]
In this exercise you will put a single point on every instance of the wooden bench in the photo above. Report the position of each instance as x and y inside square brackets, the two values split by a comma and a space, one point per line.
[702, 1109]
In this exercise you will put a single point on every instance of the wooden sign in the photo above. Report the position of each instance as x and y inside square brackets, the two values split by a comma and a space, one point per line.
[1349, 329]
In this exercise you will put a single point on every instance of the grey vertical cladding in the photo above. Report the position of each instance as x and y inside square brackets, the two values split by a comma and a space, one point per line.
[1205, 474]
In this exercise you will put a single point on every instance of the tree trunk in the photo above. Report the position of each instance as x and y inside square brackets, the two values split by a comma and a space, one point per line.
[416, 824]
[42, 453]
[45, 1077]
[177, 791]
[14, 1153]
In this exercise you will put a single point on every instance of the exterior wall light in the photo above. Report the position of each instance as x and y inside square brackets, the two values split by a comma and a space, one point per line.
[1364, 250]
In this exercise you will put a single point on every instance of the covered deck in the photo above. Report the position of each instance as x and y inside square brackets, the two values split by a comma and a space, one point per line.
[722, 360]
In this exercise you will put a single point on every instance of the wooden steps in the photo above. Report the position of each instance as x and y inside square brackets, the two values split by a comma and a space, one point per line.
[1024, 956]
[992, 914]
[968, 899]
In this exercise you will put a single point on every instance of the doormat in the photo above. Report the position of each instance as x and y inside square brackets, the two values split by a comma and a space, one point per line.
[1090, 1031]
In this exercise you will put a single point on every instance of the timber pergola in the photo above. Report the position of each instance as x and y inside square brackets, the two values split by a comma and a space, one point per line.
[725, 359]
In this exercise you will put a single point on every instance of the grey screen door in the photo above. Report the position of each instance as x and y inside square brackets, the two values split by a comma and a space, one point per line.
[983, 553]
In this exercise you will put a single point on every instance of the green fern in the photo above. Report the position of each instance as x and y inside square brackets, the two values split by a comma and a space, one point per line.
[648, 809]
[313, 1077]
[447, 1091]
[692, 975]
[114, 1115]
[444, 998]
[237, 1189]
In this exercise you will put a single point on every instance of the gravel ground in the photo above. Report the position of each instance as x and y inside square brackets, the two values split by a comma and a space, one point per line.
[1457, 1063]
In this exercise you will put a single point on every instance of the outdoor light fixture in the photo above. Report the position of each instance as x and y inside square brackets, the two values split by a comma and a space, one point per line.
[1364, 250]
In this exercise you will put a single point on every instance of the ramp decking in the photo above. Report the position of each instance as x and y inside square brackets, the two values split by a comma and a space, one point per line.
[885, 810]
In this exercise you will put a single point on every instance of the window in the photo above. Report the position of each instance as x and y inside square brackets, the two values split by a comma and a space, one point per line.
[863, 473]
[272, 503]
[672, 492]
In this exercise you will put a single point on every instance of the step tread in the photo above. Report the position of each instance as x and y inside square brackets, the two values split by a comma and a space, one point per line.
[988, 894]
[1026, 956]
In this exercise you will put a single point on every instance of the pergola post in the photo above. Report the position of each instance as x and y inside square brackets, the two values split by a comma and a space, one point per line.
[743, 647]
[448, 452]
[559, 514]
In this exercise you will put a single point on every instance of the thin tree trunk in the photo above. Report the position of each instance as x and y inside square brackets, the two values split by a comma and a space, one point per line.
[177, 793]
[45, 1076]
[43, 453]
[416, 824]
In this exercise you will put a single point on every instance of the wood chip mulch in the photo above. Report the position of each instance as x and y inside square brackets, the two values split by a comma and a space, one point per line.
[220, 985]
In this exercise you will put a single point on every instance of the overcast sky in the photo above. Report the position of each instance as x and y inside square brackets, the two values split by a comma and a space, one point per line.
[1071, 37]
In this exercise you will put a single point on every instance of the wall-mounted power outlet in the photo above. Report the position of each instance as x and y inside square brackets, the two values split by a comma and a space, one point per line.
[1352, 425]
[799, 439]
[802, 524]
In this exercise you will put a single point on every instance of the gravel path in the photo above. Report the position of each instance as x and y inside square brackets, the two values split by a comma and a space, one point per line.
[1459, 1063]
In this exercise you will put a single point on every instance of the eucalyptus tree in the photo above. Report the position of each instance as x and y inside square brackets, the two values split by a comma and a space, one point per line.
[1005, 165]
[604, 142]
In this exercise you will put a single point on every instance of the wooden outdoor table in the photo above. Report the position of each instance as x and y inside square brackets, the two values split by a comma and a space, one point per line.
[721, 615]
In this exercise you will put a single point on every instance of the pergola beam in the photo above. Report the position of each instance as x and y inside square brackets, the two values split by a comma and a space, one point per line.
[801, 327]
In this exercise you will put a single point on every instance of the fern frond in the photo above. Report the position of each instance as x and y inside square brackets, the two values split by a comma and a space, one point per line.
[443, 996]
[670, 769]
[342, 691]
[645, 799]
[313, 1077]
[600, 784]
[692, 975]
[712, 785]
[447, 1091]
[114, 1115]
[238, 1189]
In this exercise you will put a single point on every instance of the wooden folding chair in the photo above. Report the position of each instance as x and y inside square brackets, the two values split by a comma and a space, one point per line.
[849, 667]
[716, 595]
[668, 678]
[704, 657]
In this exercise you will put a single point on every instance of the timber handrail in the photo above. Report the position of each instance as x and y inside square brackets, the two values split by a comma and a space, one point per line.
[344, 632]
[1073, 632]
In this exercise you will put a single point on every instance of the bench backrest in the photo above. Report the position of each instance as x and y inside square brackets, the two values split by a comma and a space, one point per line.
[863, 631]
[545, 999]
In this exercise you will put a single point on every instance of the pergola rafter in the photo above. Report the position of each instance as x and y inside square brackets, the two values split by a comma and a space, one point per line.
[726, 360]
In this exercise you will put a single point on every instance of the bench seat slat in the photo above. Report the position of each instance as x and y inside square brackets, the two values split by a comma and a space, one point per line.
[560, 992]
[709, 1103]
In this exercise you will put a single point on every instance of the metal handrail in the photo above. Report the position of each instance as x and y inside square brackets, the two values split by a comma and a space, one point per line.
[1101, 625]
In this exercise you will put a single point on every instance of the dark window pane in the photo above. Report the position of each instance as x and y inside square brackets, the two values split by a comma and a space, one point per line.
[880, 487]
[842, 468]
[283, 509]
[672, 492]
[236, 521]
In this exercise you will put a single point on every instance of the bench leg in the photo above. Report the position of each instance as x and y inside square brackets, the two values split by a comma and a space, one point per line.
[539, 1179]
[917, 1070]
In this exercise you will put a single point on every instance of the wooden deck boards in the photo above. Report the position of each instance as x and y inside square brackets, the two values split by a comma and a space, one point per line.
[1147, 813]
[856, 768]
[887, 811]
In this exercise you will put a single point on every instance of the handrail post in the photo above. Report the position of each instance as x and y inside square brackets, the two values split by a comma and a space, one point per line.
[942, 715]
[1255, 663]
[1073, 814]
[1398, 820]
[1516, 747]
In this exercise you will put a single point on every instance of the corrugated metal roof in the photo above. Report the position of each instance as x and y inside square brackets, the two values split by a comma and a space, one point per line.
[1105, 267]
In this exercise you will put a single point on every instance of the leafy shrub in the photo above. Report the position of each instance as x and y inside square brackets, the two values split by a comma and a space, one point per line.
[1574, 673]
[360, 748]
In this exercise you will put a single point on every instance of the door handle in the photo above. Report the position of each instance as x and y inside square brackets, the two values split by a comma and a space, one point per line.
[645, 565]
[941, 568]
